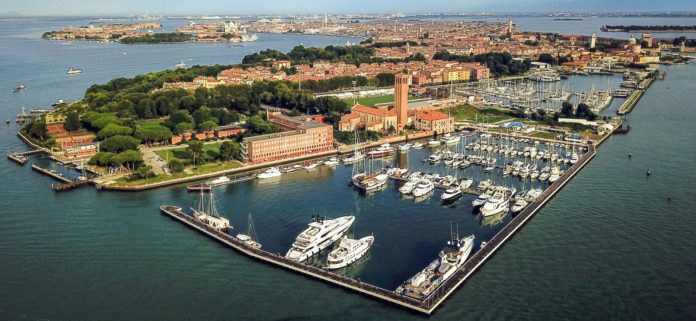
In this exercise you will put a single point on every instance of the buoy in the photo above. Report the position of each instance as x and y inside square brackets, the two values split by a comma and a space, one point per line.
[669, 197]
[629, 155]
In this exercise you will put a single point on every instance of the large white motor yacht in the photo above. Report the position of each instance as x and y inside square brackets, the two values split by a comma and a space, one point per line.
[319, 235]
[348, 251]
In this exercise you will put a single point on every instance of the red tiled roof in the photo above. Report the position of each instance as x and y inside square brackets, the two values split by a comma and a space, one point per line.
[370, 110]
[432, 115]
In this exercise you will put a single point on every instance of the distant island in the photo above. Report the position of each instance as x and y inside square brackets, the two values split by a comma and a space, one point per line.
[655, 28]
[143, 33]
[568, 19]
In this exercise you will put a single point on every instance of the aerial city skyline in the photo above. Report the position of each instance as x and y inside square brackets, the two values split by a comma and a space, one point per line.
[363, 160]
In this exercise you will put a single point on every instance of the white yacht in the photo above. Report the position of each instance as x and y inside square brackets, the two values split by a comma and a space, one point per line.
[519, 205]
[434, 142]
[434, 158]
[466, 183]
[319, 235]
[408, 187]
[333, 161]
[450, 259]
[348, 251]
[450, 140]
[310, 166]
[270, 173]
[555, 174]
[405, 146]
[357, 156]
[381, 151]
[451, 194]
[497, 204]
[72, 71]
[417, 145]
[423, 188]
[219, 181]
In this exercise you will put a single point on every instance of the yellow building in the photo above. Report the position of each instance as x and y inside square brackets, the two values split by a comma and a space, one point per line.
[54, 118]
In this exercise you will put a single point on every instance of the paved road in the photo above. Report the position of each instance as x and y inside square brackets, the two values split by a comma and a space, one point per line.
[151, 158]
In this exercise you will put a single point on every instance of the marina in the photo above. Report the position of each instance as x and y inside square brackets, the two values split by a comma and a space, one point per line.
[426, 303]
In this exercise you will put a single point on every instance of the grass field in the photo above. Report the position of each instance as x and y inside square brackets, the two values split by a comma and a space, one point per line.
[472, 114]
[181, 153]
[372, 101]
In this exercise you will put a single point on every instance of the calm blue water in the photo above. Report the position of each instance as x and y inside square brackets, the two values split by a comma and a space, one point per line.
[609, 246]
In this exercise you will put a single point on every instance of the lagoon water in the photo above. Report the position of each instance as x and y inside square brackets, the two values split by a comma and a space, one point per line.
[609, 246]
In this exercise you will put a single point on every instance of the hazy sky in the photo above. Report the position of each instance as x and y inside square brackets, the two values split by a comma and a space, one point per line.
[125, 7]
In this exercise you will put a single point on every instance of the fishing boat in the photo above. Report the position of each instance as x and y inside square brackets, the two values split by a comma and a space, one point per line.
[319, 235]
[451, 257]
[207, 213]
[348, 251]
[270, 173]
[249, 238]
[19, 88]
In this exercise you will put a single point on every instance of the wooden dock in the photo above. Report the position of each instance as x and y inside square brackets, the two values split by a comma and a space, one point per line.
[435, 299]
[50, 174]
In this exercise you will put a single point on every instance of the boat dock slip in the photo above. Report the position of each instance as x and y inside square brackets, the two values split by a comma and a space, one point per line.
[21, 160]
[438, 296]
[49, 173]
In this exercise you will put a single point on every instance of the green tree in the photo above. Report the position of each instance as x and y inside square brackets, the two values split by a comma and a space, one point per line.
[207, 125]
[102, 159]
[128, 159]
[257, 125]
[567, 109]
[38, 129]
[119, 143]
[181, 116]
[230, 150]
[150, 134]
[113, 130]
[195, 148]
[72, 122]
[145, 172]
[183, 127]
[176, 165]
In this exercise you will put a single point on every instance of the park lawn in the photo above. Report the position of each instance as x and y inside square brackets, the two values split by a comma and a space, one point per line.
[375, 100]
[198, 170]
[182, 154]
[472, 114]
[545, 135]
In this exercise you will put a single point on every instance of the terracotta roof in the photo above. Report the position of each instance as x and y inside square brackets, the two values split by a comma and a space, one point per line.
[432, 115]
[370, 110]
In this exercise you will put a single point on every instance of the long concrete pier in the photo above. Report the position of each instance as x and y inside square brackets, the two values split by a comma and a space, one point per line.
[49, 173]
[435, 299]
